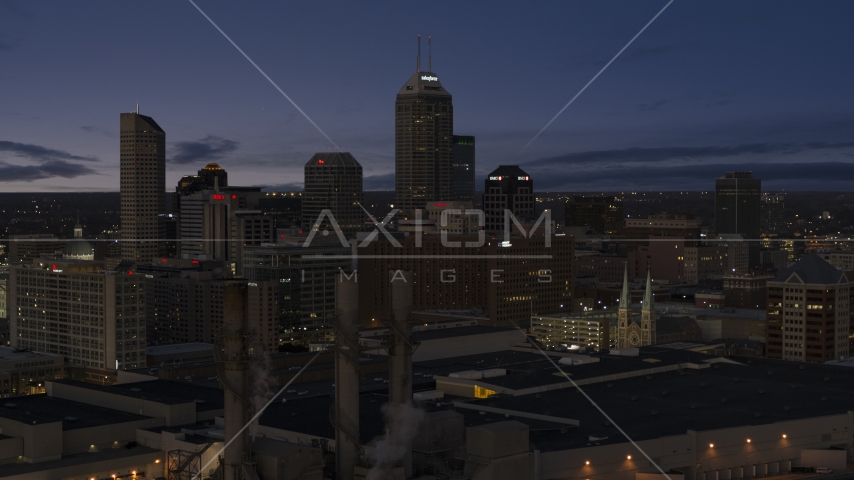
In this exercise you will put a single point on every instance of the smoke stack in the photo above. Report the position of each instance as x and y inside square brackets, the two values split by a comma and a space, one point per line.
[234, 363]
[347, 444]
[400, 347]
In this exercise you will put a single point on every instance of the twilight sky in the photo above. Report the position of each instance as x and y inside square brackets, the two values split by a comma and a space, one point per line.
[708, 87]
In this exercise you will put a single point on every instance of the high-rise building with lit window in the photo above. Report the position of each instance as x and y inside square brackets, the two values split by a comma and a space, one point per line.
[333, 181]
[808, 312]
[464, 161]
[143, 186]
[509, 188]
[423, 142]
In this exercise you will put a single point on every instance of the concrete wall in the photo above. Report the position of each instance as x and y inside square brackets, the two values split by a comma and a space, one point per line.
[834, 459]
[115, 435]
[11, 449]
[41, 442]
[730, 457]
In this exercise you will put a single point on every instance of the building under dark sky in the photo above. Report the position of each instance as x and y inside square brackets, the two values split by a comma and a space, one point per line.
[423, 142]
[602, 214]
[737, 204]
[143, 186]
[333, 181]
[463, 172]
[508, 187]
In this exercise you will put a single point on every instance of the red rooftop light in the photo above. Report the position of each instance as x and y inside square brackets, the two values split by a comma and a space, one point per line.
[163, 260]
[195, 262]
[320, 162]
[234, 196]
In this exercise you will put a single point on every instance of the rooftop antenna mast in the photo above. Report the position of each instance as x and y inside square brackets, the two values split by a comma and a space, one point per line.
[137, 109]
[419, 54]
[429, 54]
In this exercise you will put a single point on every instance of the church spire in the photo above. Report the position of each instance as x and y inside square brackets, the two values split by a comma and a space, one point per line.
[647, 295]
[625, 298]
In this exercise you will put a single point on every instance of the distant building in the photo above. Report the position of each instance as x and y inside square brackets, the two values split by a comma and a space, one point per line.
[423, 142]
[841, 259]
[143, 186]
[464, 165]
[808, 308]
[772, 221]
[638, 230]
[305, 277]
[738, 209]
[581, 330]
[508, 188]
[23, 249]
[704, 261]
[101, 314]
[211, 177]
[490, 277]
[746, 291]
[25, 372]
[602, 214]
[78, 248]
[333, 182]
[636, 330]
[774, 259]
[677, 328]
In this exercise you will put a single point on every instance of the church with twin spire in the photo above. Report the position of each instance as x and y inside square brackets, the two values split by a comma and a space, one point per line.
[635, 330]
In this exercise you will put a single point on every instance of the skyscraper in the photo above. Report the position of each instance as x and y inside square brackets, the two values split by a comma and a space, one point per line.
[737, 209]
[773, 221]
[463, 173]
[737, 204]
[143, 186]
[423, 148]
[333, 181]
[508, 187]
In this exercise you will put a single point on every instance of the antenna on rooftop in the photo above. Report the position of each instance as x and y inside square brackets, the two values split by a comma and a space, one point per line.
[429, 54]
[419, 54]
[137, 109]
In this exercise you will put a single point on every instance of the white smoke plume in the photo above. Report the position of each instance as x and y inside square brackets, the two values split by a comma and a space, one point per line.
[263, 388]
[402, 425]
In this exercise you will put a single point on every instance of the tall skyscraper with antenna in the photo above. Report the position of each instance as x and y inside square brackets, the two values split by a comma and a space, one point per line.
[143, 186]
[424, 140]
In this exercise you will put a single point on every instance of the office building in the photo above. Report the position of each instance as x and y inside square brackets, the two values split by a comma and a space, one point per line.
[602, 214]
[772, 221]
[188, 301]
[738, 198]
[508, 189]
[423, 142]
[508, 280]
[464, 164]
[211, 177]
[92, 317]
[808, 312]
[24, 372]
[23, 249]
[745, 291]
[143, 186]
[580, 331]
[283, 207]
[333, 182]
[639, 230]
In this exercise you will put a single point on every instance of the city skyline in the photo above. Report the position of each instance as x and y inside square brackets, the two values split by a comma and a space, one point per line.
[702, 91]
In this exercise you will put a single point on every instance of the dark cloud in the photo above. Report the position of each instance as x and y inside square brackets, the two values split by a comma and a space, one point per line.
[47, 169]
[651, 107]
[39, 153]
[661, 154]
[379, 182]
[797, 176]
[210, 148]
[91, 129]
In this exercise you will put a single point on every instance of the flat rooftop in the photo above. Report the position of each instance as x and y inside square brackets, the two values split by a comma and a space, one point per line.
[162, 391]
[9, 353]
[42, 409]
[451, 332]
[758, 391]
[80, 460]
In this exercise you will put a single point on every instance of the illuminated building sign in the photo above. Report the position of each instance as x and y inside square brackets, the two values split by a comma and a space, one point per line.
[320, 162]
[429, 78]
[525, 178]
[498, 178]
[218, 196]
